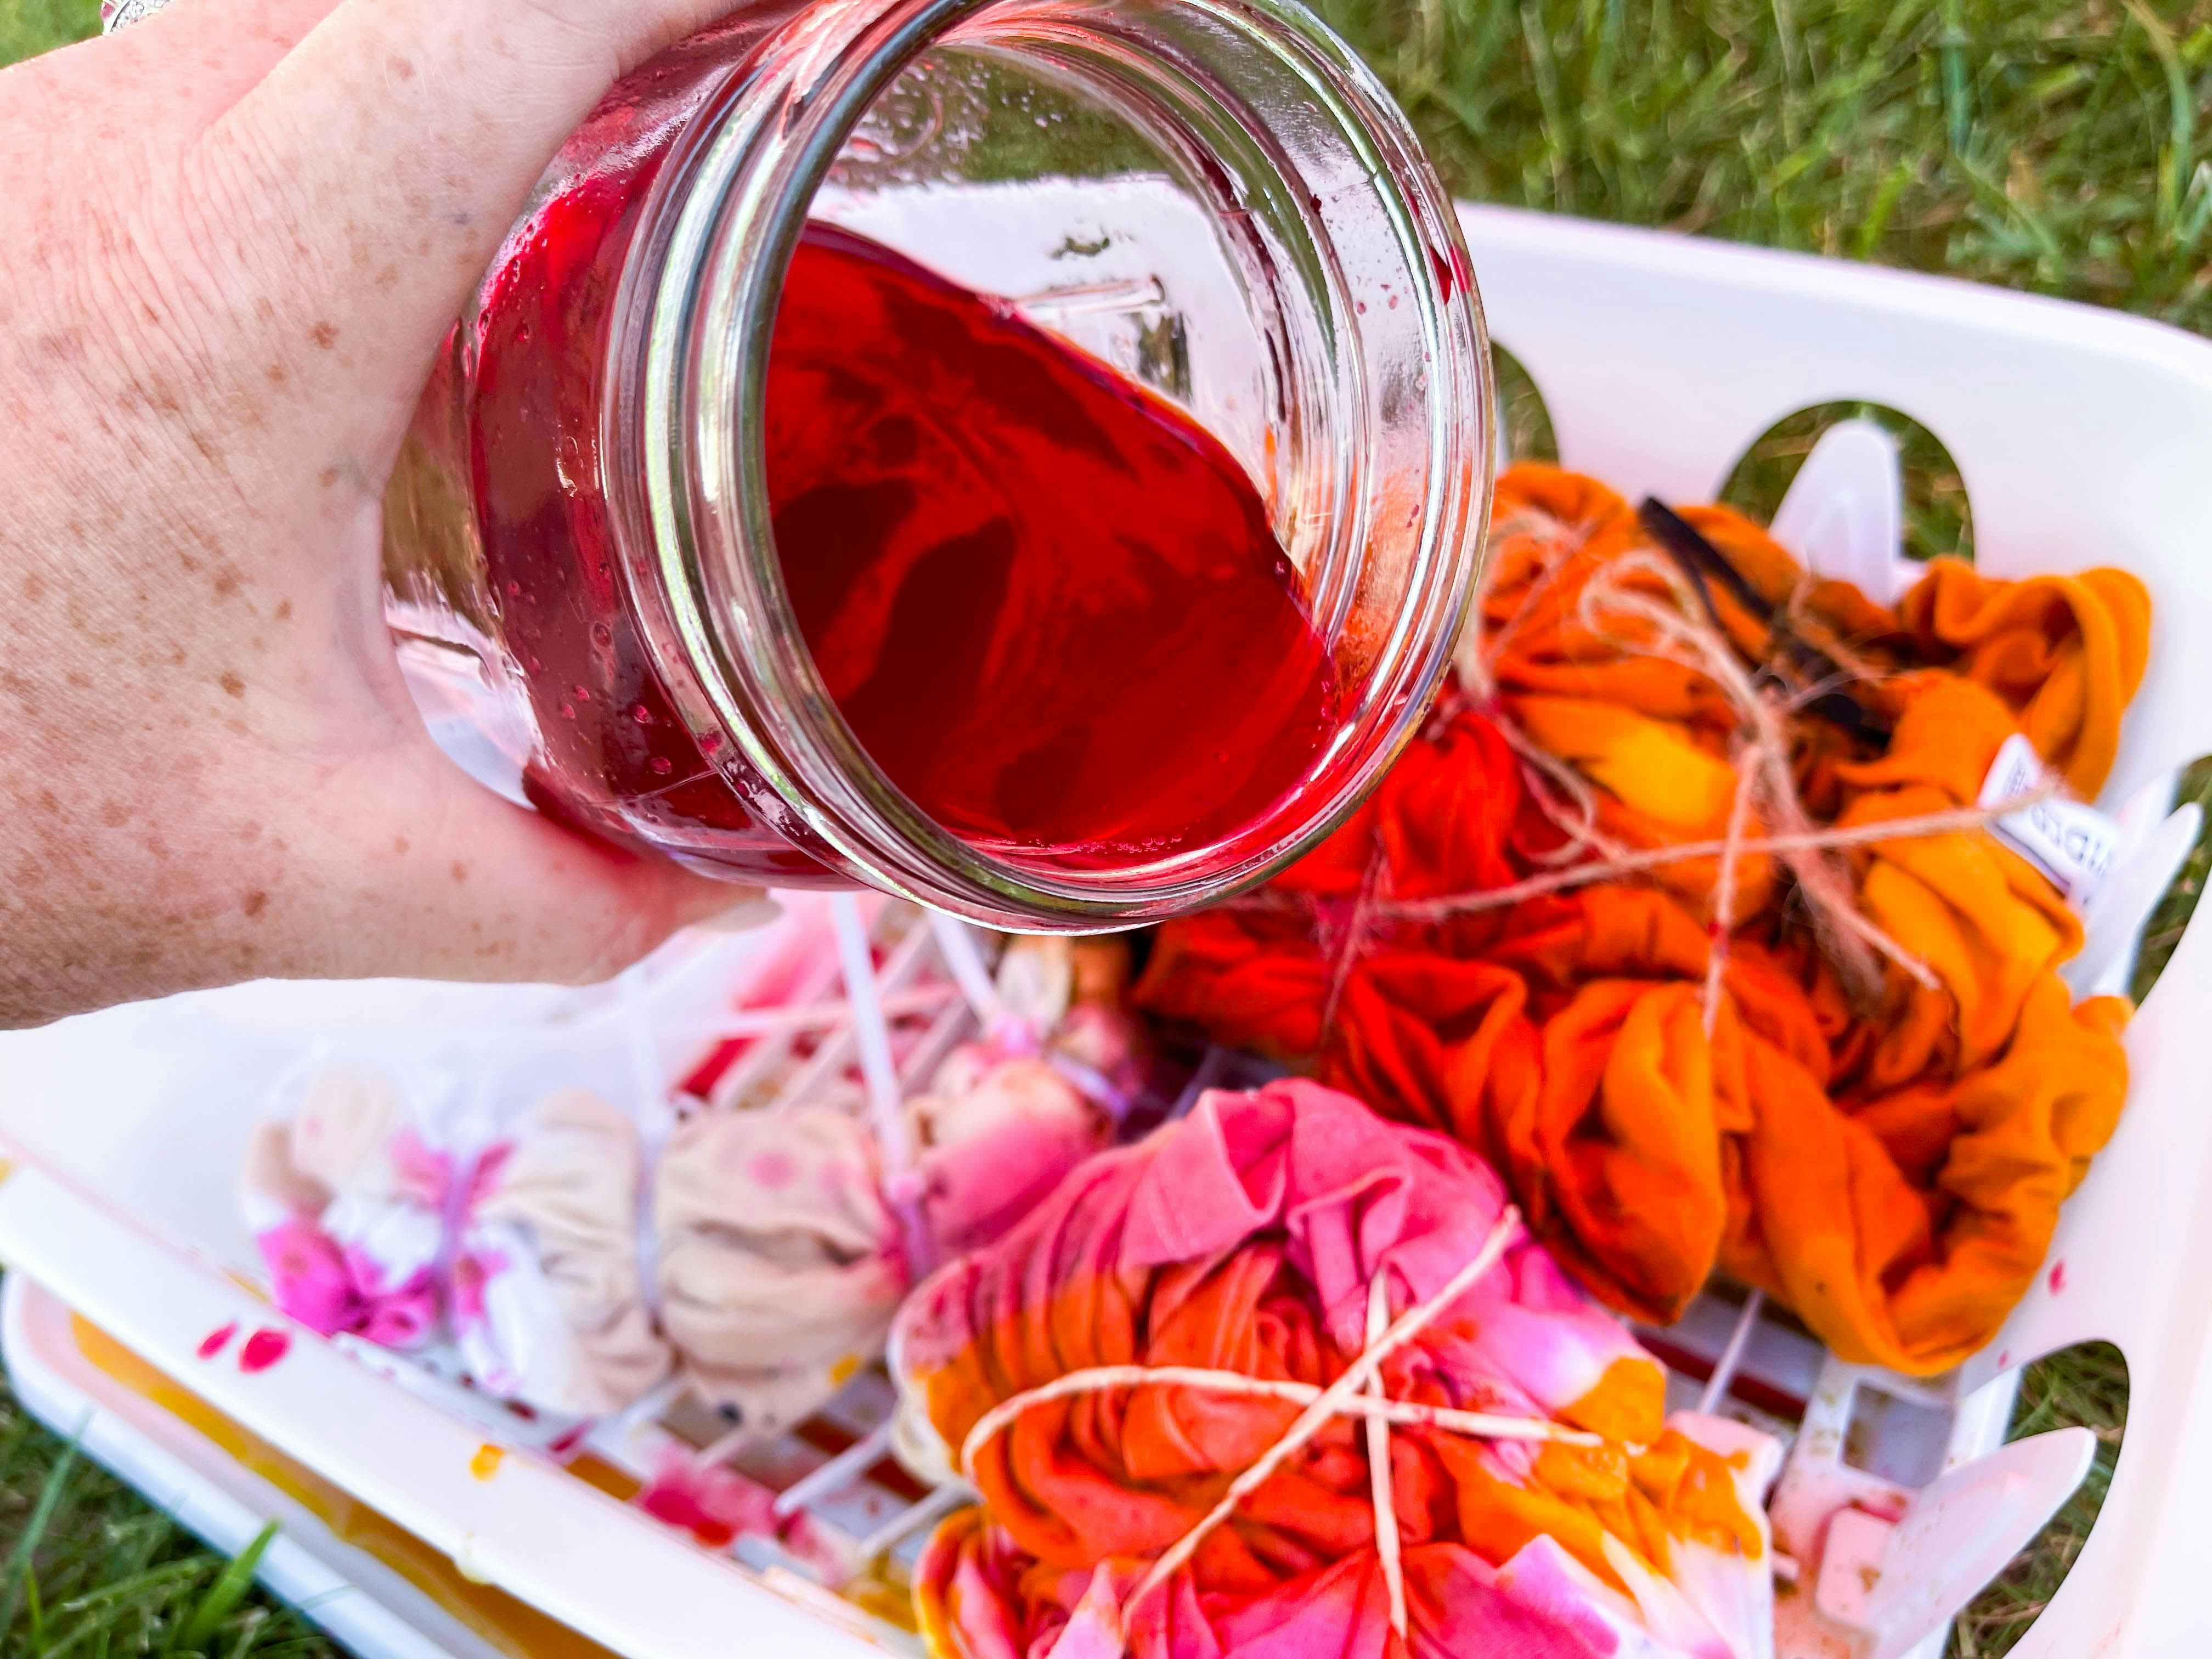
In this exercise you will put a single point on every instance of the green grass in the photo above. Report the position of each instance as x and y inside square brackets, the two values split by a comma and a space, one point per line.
[88, 1570]
[2061, 146]
[2055, 145]
[30, 27]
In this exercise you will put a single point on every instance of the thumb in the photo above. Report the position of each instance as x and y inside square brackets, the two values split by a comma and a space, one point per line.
[386, 156]
[426, 874]
[364, 183]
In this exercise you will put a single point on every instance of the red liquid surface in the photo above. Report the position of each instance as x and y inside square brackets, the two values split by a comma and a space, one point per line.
[1049, 606]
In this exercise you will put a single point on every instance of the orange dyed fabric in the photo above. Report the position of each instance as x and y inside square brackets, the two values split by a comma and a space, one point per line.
[2065, 653]
[1245, 1238]
[1892, 1171]
[1649, 734]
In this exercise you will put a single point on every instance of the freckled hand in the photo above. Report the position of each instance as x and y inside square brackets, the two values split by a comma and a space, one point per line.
[234, 233]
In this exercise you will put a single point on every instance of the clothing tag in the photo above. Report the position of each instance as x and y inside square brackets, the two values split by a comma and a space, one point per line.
[2073, 844]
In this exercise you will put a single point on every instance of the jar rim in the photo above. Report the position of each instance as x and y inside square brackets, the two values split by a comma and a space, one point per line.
[725, 220]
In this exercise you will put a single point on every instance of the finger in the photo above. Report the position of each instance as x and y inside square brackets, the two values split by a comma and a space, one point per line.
[412, 870]
[386, 155]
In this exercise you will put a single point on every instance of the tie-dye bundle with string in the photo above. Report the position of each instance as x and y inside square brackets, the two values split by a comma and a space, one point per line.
[1689, 911]
[1286, 1379]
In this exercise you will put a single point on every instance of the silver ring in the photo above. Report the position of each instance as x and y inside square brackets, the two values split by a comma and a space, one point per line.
[117, 13]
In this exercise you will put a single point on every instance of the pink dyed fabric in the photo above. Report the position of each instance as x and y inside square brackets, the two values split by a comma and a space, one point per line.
[1246, 1238]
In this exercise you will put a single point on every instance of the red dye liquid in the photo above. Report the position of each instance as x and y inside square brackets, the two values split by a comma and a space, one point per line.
[263, 1349]
[217, 1340]
[1049, 604]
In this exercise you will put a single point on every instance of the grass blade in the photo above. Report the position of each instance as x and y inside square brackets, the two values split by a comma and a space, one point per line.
[42, 1517]
[1868, 236]
[256, 1622]
[228, 1589]
[2181, 138]
[120, 1590]
[35, 1615]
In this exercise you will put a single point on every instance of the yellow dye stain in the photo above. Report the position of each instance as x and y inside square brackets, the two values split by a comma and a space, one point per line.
[845, 1371]
[508, 1626]
[485, 1464]
[7, 1169]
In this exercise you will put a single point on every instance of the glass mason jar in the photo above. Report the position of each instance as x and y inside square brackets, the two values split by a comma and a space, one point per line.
[1213, 196]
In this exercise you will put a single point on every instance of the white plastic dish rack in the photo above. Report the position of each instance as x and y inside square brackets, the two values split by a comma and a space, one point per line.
[2082, 437]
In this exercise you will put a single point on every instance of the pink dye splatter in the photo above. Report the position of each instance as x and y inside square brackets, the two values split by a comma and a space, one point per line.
[426, 1175]
[2057, 1277]
[331, 1288]
[484, 1177]
[715, 1505]
[472, 1270]
[263, 1349]
[565, 1444]
[711, 1509]
[217, 1340]
[774, 1172]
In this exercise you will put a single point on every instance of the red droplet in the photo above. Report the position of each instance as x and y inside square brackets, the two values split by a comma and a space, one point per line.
[665, 1501]
[263, 1349]
[2057, 1277]
[564, 1444]
[217, 1340]
[1443, 270]
[2004, 1360]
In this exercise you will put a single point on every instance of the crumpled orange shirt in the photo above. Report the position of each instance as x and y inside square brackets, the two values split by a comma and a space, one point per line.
[1893, 1173]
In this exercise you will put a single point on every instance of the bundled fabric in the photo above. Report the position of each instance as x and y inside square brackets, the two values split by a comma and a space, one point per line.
[1544, 1503]
[549, 1299]
[347, 1201]
[1847, 1073]
[758, 1254]
[785, 1242]
[518, 1243]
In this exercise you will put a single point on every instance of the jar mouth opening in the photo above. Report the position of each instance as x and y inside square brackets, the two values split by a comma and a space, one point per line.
[1369, 440]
